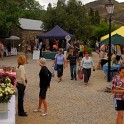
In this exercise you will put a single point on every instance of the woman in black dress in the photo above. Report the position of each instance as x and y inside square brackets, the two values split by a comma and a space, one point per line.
[45, 78]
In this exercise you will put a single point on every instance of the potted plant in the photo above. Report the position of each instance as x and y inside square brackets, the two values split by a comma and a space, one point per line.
[6, 92]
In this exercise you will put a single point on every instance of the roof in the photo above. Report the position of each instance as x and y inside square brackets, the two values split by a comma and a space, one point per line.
[119, 31]
[115, 39]
[56, 32]
[30, 24]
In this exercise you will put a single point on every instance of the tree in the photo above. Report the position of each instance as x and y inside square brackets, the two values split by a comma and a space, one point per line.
[72, 17]
[12, 10]
[101, 30]
[96, 18]
[92, 16]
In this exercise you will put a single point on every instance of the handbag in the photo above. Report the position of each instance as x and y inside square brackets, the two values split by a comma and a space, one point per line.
[55, 66]
[80, 74]
[52, 71]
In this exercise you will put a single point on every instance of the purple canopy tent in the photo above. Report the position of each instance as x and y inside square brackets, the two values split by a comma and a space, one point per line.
[55, 33]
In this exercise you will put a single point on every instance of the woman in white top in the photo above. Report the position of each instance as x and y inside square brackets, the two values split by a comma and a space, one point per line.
[87, 64]
[21, 84]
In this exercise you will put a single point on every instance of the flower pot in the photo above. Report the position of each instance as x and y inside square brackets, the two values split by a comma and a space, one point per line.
[3, 111]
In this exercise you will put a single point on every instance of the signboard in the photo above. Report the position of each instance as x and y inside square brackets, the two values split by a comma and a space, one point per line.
[67, 37]
[36, 54]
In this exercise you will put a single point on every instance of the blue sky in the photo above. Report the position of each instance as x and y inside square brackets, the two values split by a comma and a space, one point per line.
[45, 2]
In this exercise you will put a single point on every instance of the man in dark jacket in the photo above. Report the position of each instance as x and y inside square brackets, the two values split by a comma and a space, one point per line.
[45, 78]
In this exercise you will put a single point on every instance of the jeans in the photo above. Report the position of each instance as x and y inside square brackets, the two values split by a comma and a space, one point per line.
[21, 90]
[73, 71]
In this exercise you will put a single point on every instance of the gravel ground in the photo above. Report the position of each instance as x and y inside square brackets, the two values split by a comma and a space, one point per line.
[69, 102]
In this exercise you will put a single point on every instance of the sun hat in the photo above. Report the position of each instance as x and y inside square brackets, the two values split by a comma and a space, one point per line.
[42, 61]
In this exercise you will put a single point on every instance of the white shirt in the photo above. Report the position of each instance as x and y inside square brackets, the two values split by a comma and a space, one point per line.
[87, 63]
[21, 75]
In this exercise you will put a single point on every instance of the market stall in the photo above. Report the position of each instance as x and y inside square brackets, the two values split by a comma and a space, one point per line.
[55, 33]
[11, 46]
[8, 71]
[49, 55]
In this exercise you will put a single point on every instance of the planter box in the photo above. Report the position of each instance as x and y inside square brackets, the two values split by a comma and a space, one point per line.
[3, 111]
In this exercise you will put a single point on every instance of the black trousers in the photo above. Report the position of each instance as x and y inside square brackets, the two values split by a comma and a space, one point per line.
[21, 90]
[59, 70]
[118, 57]
[87, 74]
[41, 53]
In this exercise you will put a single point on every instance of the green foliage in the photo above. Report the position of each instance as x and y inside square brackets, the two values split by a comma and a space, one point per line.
[89, 50]
[94, 16]
[12, 10]
[9, 11]
[72, 17]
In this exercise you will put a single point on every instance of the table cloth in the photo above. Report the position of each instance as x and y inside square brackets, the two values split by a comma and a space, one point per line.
[11, 113]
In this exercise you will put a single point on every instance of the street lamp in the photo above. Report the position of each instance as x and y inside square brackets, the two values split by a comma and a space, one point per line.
[110, 8]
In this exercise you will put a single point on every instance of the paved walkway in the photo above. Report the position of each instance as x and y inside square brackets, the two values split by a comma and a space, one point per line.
[69, 102]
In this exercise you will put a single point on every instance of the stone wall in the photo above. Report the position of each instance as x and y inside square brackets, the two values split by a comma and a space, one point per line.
[28, 35]
[25, 35]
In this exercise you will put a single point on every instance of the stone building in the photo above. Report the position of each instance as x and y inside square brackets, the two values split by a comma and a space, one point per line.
[28, 30]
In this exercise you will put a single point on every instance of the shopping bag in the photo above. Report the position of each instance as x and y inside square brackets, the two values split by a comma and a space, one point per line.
[52, 71]
[80, 73]
[55, 66]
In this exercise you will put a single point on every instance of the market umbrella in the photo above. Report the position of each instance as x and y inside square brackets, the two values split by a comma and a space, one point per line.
[115, 39]
[13, 38]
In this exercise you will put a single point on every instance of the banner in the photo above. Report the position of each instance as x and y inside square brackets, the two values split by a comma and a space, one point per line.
[36, 54]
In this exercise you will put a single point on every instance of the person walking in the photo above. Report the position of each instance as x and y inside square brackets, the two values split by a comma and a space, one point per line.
[21, 84]
[61, 63]
[1, 50]
[73, 64]
[45, 78]
[86, 65]
[81, 50]
[118, 90]
[40, 48]
[97, 47]
[26, 51]
[9, 48]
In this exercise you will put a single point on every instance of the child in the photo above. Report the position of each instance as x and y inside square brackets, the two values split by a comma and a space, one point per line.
[118, 90]
[73, 64]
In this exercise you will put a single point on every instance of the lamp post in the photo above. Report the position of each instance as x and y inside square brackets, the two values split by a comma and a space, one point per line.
[110, 8]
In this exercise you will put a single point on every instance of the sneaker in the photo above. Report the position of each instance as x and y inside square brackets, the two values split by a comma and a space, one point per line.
[44, 114]
[75, 78]
[71, 79]
[37, 110]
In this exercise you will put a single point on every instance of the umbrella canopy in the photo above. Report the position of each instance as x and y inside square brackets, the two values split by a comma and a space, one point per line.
[13, 38]
[115, 39]
[56, 32]
[119, 31]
